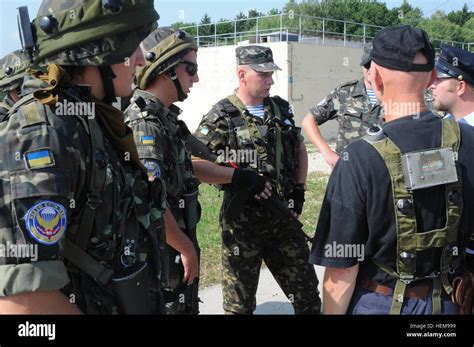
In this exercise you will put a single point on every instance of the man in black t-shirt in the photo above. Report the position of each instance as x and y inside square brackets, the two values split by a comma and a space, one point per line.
[390, 233]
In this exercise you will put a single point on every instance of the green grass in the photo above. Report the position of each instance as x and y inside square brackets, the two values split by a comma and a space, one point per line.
[209, 232]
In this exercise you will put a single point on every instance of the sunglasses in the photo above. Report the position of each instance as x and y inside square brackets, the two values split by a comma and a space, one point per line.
[191, 68]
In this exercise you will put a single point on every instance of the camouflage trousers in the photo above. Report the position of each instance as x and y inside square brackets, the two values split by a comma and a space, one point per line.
[283, 249]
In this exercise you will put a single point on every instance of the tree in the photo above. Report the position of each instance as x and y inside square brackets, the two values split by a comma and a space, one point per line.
[407, 14]
[205, 26]
[442, 29]
[460, 17]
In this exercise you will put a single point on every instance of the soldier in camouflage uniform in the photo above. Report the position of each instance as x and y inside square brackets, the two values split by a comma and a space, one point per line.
[12, 70]
[72, 186]
[246, 123]
[161, 148]
[167, 77]
[352, 107]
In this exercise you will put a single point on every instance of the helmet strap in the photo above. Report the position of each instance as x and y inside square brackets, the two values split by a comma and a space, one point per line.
[108, 76]
[174, 77]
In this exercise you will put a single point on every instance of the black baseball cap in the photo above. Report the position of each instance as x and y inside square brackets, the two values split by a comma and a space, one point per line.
[395, 48]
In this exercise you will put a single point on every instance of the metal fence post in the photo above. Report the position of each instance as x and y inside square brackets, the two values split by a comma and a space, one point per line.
[323, 30]
[345, 31]
[256, 33]
[197, 33]
[300, 39]
[281, 25]
[235, 32]
[215, 35]
[364, 33]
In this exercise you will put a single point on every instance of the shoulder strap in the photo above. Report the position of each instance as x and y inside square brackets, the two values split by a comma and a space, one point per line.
[409, 242]
[74, 251]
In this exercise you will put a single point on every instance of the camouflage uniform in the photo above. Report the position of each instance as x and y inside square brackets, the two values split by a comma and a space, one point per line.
[350, 105]
[162, 150]
[161, 146]
[256, 234]
[68, 188]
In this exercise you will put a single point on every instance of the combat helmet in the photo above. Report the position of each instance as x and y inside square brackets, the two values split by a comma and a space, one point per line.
[164, 48]
[13, 68]
[91, 33]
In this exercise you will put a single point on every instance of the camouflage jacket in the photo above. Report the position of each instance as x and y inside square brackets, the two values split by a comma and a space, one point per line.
[162, 149]
[5, 106]
[349, 104]
[250, 141]
[44, 188]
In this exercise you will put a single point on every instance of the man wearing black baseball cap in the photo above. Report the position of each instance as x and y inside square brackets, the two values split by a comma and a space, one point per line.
[453, 89]
[392, 226]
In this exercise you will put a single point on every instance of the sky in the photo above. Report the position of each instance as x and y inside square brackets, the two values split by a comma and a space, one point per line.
[192, 11]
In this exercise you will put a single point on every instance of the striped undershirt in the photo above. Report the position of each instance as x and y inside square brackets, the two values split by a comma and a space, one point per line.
[256, 110]
[371, 95]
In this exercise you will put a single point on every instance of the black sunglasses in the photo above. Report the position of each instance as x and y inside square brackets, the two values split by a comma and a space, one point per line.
[191, 68]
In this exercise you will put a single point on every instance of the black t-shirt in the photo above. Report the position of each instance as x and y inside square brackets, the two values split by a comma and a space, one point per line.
[358, 208]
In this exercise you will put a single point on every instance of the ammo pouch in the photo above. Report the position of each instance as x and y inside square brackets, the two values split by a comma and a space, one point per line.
[131, 288]
[192, 209]
[463, 293]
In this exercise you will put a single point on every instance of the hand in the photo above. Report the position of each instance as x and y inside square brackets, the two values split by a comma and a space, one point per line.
[255, 183]
[330, 157]
[265, 193]
[191, 265]
[296, 200]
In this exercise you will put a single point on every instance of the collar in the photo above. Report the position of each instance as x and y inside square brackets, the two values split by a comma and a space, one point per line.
[469, 119]
[173, 110]
[359, 89]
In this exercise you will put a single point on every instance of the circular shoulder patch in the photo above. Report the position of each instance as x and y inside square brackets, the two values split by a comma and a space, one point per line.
[46, 222]
[154, 170]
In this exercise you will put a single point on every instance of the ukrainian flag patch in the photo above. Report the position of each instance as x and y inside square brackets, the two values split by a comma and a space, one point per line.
[39, 158]
[148, 140]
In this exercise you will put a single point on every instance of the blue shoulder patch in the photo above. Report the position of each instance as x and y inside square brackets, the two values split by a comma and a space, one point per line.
[46, 222]
[154, 170]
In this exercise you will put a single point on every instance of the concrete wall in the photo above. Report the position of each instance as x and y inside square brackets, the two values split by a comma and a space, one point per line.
[309, 72]
[316, 71]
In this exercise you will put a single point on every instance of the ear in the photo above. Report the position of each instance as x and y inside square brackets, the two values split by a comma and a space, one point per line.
[461, 88]
[376, 79]
[241, 74]
[433, 78]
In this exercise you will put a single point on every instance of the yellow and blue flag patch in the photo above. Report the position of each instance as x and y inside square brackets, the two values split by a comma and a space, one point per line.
[39, 158]
[148, 140]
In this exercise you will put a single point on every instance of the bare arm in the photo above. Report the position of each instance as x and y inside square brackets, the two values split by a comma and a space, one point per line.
[211, 173]
[41, 302]
[311, 129]
[338, 288]
[177, 239]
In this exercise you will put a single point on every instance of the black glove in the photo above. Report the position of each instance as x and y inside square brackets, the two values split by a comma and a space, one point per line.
[249, 179]
[296, 199]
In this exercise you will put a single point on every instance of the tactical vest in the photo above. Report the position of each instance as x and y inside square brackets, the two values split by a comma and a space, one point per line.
[181, 183]
[5, 107]
[417, 170]
[97, 263]
[275, 140]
